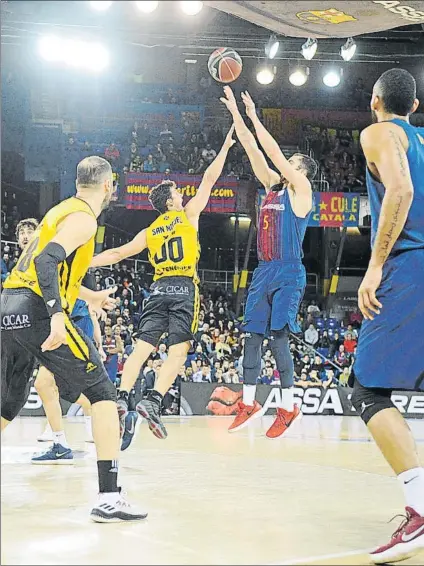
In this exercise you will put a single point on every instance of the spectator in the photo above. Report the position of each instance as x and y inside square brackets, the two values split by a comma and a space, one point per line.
[163, 164]
[162, 352]
[311, 335]
[149, 165]
[203, 374]
[112, 152]
[341, 358]
[208, 154]
[349, 343]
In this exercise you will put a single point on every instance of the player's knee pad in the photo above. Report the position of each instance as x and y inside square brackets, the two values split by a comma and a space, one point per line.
[281, 350]
[370, 401]
[103, 391]
[252, 357]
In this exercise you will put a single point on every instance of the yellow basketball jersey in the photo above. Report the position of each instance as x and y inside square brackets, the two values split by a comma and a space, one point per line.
[173, 246]
[71, 271]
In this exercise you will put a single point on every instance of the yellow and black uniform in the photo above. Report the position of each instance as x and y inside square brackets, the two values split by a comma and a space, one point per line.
[173, 305]
[25, 322]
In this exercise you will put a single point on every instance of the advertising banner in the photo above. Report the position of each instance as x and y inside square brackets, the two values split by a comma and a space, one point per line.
[335, 210]
[138, 185]
[221, 400]
[332, 210]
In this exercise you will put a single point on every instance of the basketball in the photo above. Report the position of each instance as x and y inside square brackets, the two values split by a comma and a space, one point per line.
[225, 65]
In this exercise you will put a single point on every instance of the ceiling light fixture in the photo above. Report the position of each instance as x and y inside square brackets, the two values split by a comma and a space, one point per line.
[309, 48]
[272, 46]
[146, 6]
[348, 50]
[191, 7]
[299, 76]
[265, 76]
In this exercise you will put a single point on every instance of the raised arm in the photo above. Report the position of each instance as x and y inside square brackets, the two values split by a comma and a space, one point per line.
[385, 146]
[115, 255]
[265, 174]
[295, 177]
[197, 204]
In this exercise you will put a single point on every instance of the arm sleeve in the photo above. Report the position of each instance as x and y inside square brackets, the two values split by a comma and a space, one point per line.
[46, 267]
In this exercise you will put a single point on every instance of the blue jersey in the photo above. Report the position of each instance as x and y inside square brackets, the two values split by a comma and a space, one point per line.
[280, 231]
[80, 309]
[412, 235]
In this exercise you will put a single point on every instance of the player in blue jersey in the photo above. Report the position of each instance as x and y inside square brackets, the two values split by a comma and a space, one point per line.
[279, 281]
[391, 296]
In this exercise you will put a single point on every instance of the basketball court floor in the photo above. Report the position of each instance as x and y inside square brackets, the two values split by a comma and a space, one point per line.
[322, 494]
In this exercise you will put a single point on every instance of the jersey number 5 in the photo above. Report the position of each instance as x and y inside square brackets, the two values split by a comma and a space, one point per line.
[266, 223]
[26, 257]
[172, 250]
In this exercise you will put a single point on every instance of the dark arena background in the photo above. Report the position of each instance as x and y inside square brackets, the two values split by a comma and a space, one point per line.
[129, 81]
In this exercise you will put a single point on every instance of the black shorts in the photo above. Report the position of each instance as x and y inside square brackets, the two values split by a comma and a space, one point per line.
[173, 307]
[25, 325]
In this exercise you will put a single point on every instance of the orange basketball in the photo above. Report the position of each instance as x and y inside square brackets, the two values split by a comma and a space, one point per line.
[225, 65]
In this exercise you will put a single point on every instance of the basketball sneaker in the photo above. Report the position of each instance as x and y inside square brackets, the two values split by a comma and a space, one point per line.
[282, 421]
[47, 435]
[130, 422]
[406, 541]
[150, 410]
[245, 414]
[112, 508]
[56, 454]
[122, 412]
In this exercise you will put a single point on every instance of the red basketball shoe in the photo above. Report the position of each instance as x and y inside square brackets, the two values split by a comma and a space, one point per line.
[406, 541]
[245, 414]
[282, 421]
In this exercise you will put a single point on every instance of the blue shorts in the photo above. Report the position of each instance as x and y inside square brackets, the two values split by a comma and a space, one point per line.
[86, 325]
[390, 348]
[274, 297]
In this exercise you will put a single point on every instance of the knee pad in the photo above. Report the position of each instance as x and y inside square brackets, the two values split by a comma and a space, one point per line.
[370, 401]
[252, 350]
[281, 350]
[252, 357]
[102, 391]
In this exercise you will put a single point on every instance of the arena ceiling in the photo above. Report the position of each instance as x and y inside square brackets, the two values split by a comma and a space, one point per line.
[389, 31]
[334, 18]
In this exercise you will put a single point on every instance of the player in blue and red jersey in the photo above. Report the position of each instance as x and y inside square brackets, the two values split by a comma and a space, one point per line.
[279, 281]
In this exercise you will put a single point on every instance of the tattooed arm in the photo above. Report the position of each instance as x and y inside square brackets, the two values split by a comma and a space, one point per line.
[385, 146]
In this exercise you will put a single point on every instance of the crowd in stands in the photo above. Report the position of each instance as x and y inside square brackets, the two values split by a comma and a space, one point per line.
[338, 154]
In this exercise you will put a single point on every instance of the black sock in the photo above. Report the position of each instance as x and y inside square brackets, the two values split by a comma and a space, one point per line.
[123, 395]
[131, 401]
[108, 475]
[155, 396]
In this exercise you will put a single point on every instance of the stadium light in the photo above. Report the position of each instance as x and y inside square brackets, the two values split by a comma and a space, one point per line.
[101, 5]
[309, 48]
[191, 7]
[348, 50]
[265, 76]
[332, 78]
[299, 76]
[74, 52]
[147, 7]
[271, 47]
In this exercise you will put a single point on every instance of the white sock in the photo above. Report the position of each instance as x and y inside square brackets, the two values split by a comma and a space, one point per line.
[60, 438]
[48, 428]
[287, 400]
[87, 422]
[413, 488]
[249, 394]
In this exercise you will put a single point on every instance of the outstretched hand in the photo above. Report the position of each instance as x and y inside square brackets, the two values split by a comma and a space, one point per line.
[229, 140]
[229, 100]
[249, 104]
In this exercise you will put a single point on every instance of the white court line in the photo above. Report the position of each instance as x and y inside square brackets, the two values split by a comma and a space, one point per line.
[320, 557]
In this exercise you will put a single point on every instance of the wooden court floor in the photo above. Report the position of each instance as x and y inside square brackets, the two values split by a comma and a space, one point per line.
[320, 495]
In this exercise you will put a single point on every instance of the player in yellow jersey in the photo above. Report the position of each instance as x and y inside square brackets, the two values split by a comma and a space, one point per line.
[173, 305]
[36, 303]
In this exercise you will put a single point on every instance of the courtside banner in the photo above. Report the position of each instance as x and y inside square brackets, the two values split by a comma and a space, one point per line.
[138, 185]
[331, 210]
[221, 400]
